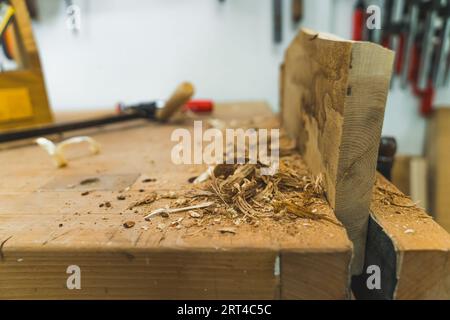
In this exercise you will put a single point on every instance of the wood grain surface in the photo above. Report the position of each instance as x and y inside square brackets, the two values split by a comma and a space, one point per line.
[333, 100]
[48, 225]
[411, 248]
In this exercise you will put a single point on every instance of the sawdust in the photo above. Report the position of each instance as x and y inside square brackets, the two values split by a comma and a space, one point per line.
[394, 198]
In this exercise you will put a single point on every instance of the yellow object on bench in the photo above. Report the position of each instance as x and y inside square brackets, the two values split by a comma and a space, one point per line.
[23, 97]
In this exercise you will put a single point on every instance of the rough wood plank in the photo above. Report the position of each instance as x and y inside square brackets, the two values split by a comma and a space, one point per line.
[54, 226]
[334, 95]
[412, 250]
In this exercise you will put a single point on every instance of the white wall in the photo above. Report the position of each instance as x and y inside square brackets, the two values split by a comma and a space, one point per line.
[138, 50]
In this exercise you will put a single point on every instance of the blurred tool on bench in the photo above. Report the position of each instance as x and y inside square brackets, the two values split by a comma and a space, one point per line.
[150, 111]
[419, 32]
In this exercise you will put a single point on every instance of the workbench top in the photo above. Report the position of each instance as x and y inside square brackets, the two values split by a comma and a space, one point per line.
[49, 220]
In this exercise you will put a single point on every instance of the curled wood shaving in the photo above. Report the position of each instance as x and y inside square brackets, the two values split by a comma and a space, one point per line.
[205, 176]
[56, 151]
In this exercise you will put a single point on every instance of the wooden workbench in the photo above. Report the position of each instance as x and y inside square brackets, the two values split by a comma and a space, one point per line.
[49, 225]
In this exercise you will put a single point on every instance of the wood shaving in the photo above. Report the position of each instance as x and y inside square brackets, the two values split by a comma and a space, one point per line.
[2, 256]
[176, 223]
[228, 230]
[89, 181]
[169, 195]
[181, 202]
[176, 210]
[149, 199]
[243, 195]
[205, 176]
[56, 151]
[195, 214]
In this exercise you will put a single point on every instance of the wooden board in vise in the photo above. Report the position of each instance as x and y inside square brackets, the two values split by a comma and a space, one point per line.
[333, 100]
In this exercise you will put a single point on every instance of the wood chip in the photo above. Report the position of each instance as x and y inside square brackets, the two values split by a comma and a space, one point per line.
[228, 230]
[181, 202]
[149, 199]
[170, 195]
[195, 214]
[168, 211]
[89, 181]
[2, 256]
[177, 222]
[129, 224]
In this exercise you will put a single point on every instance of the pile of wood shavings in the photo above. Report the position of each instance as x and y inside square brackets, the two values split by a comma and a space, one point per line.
[242, 195]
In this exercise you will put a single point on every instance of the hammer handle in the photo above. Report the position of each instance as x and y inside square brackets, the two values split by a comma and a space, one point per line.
[179, 98]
